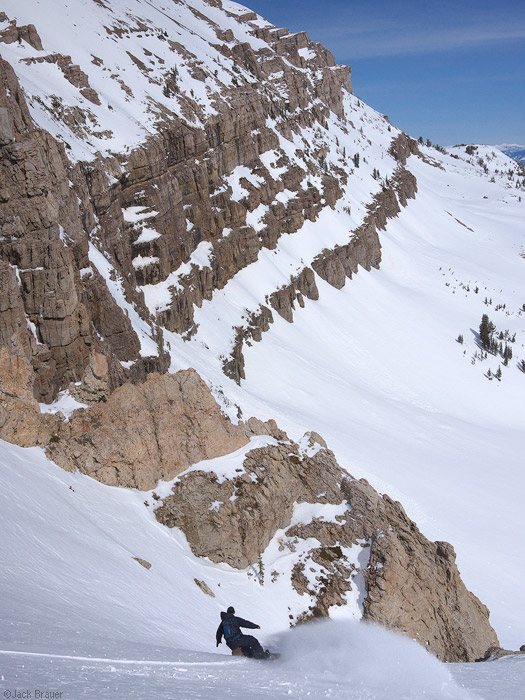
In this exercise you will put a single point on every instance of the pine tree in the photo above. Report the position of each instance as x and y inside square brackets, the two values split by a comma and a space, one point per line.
[498, 373]
[486, 331]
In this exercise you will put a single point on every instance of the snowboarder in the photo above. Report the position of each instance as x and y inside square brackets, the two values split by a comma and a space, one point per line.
[235, 639]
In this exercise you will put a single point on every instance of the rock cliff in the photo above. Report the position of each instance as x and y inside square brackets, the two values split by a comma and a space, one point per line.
[151, 431]
[107, 252]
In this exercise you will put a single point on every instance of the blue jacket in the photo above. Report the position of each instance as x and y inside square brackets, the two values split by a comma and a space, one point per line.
[230, 627]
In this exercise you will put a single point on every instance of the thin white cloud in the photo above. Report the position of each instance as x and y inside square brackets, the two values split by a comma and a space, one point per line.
[389, 38]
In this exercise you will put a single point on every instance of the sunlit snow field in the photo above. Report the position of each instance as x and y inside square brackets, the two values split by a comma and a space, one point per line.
[376, 369]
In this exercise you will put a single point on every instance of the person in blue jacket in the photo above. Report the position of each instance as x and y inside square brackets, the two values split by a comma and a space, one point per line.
[230, 627]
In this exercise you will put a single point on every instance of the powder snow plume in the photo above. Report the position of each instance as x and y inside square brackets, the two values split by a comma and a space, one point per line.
[361, 661]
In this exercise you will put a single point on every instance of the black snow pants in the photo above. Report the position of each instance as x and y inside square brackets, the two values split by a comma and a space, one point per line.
[249, 645]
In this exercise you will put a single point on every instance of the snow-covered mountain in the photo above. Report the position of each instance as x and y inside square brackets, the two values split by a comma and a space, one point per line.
[185, 185]
[514, 151]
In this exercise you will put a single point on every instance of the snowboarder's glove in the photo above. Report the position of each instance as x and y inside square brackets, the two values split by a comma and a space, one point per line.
[258, 627]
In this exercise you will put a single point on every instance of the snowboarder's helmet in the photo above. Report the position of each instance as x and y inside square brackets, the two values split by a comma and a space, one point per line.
[231, 610]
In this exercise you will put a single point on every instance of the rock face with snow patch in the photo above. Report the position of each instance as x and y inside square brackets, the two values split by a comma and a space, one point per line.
[110, 251]
[63, 306]
[341, 532]
[147, 432]
[414, 584]
[35, 201]
[20, 419]
[151, 431]
[253, 506]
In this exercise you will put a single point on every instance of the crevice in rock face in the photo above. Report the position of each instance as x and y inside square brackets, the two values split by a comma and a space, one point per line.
[334, 266]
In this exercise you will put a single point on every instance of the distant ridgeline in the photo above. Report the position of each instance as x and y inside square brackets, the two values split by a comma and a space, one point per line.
[514, 151]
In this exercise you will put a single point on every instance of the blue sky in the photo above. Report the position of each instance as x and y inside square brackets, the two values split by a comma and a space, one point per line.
[453, 72]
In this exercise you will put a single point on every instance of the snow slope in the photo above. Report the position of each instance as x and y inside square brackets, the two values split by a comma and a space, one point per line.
[374, 367]
[377, 370]
[69, 574]
[79, 616]
[192, 675]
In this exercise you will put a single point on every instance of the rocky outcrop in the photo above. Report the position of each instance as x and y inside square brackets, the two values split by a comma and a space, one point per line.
[72, 73]
[95, 384]
[402, 147]
[410, 583]
[253, 507]
[150, 431]
[193, 206]
[147, 432]
[333, 265]
[34, 198]
[20, 419]
[364, 248]
[413, 584]
[52, 301]
[27, 33]
[494, 652]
